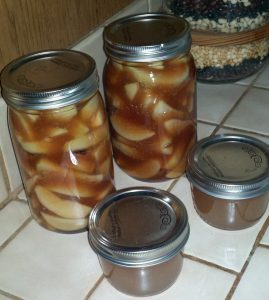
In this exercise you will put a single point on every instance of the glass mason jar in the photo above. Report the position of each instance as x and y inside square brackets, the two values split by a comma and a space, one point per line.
[229, 37]
[60, 135]
[150, 89]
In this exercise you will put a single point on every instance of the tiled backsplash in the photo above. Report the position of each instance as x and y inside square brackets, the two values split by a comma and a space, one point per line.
[39, 264]
[9, 174]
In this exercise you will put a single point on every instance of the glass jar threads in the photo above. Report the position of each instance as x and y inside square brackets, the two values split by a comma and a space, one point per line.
[60, 135]
[139, 234]
[150, 89]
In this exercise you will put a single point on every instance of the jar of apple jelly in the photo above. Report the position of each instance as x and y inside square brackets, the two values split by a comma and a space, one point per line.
[150, 89]
[59, 131]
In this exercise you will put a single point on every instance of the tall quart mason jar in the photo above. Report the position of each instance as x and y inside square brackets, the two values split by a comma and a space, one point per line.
[150, 89]
[60, 135]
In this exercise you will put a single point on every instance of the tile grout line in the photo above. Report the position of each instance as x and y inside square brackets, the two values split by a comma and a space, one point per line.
[245, 131]
[255, 246]
[14, 235]
[173, 183]
[208, 263]
[258, 75]
[11, 196]
[248, 88]
[263, 246]
[94, 288]
[12, 297]
[4, 172]
[231, 110]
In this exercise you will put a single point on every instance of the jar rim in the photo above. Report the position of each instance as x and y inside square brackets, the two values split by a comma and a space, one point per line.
[126, 227]
[147, 37]
[230, 166]
[49, 79]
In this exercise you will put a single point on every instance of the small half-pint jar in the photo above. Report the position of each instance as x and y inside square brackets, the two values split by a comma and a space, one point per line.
[229, 176]
[138, 235]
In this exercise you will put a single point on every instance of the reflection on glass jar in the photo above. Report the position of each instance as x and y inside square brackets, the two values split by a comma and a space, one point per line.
[60, 136]
[151, 95]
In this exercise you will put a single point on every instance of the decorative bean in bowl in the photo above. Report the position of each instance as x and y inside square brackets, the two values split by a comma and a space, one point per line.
[229, 37]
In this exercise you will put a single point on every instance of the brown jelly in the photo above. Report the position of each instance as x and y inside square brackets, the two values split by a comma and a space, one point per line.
[138, 235]
[229, 176]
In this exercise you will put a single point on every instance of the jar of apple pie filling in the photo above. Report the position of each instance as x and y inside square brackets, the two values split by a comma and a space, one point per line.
[150, 89]
[59, 131]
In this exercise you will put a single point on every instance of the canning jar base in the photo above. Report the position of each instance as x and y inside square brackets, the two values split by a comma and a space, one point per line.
[143, 281]
[230, 227]
[229, 214]
[50, 228]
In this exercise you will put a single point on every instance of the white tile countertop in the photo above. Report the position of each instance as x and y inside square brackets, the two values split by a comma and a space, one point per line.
[38, 264]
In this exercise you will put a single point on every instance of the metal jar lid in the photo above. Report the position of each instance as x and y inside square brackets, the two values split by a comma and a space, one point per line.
[49, 79]
[230, 166]
[138, 227]
[147, 37]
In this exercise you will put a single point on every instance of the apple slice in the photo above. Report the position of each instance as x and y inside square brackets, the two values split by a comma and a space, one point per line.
[22, 124]
[126, 149]
[105, 191]
[176, 157]
[63, 115]
[84, 162]
[90, 108]
[56, 131]
[40, 147]
[180, 152]
[64, 208]
[104, 166]
[163, 110]
[45, 164]
[131, 90]
[77, 128]
[145, 169]
[178, 170]
[163, 144]
[88, 140]
[130, 130]
[72, 183]
[65, 224]
[161, 77]
[157, 65]
[174, 126]
[97, 119]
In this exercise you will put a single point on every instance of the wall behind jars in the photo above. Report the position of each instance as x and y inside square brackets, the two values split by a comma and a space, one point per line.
[32, 25]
